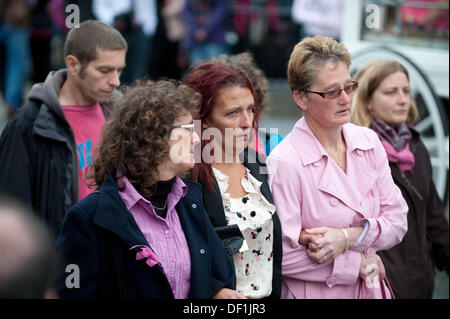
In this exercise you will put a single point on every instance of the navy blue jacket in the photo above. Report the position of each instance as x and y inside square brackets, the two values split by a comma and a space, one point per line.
[99, 231]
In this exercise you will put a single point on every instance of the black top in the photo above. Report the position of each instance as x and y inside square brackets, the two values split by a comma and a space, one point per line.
[159, 197]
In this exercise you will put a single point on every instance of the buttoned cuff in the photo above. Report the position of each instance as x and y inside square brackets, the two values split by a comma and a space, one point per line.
[345, 269]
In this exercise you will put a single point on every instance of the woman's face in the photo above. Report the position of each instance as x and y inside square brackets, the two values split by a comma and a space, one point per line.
[181, 144]
[328, 112]
[232, 118]
[391, 100]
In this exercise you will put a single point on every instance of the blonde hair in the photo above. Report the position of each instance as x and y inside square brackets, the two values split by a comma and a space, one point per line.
[369, 78]
[311, 54]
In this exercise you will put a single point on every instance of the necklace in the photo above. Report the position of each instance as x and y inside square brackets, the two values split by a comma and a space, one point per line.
[164, 207]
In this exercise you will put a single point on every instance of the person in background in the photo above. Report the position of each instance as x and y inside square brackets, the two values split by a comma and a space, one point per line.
[383, 103]
[235, 190]
[16, 16]
[144, 232]
[206, 21]
[169, 34]
[47, 146]
[332, 185]
[136, 20]
[318, 17]
[29, 257]
[41, 34]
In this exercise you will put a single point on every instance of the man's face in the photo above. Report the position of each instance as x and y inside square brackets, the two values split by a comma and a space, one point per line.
[100, 77]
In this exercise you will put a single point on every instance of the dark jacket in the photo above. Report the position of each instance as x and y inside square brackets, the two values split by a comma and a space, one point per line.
[410, 264]
[38, 157]
[99, 231]
[229, 235]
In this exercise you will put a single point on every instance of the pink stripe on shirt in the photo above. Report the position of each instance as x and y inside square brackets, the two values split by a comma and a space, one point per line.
[165, 236]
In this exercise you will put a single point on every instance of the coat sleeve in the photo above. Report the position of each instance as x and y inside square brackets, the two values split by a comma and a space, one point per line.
[388, 228]
[79, 248]
[15, 167]
[437, 225]
[284, 181]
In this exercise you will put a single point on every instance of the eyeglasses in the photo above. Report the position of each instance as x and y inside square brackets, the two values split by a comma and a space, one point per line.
[189, 127]
[336, 93]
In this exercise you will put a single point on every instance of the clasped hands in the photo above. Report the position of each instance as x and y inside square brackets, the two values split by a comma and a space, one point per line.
[323, 244]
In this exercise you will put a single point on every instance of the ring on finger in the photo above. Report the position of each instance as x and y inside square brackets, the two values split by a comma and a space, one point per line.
[325, 259]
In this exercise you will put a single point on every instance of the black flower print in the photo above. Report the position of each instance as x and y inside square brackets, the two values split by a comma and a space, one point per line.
[240, 216]
[269, 258]
[258, 253]
[253, 213]
[247, 272]
[255, 233]
[245, 199]
[269, 237]
[254, 287]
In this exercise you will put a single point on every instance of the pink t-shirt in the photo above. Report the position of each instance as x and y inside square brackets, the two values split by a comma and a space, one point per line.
[86, 122]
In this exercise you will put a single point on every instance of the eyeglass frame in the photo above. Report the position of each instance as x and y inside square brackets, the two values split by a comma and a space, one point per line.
[190, 127]
[354, 87]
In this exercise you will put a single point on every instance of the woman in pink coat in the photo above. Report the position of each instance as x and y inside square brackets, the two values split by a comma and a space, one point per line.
[332, 185]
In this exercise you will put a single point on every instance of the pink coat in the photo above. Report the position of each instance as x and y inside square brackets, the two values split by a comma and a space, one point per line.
[310, 190]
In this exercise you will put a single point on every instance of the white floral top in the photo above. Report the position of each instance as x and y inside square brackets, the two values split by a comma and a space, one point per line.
[253, 215]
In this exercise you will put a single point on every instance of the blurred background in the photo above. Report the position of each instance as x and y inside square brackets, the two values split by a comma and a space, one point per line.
[161, 44]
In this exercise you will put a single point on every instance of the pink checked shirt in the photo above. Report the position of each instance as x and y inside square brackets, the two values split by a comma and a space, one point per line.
[310, 190]
[165, 236]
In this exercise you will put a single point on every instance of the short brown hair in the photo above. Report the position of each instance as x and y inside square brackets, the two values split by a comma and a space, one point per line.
[369, 78]
[309, 55]
[135, 138]
[84, 41]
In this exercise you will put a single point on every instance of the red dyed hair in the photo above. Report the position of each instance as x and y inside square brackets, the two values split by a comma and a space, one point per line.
[208, 79]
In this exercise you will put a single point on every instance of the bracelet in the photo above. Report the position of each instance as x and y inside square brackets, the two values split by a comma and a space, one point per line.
[346, 240]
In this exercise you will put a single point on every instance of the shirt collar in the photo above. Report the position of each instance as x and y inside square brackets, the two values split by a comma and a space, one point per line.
[310, 149]
[131, 196]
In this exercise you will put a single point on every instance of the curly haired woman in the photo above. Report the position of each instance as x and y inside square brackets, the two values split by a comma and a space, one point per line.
[144, 232]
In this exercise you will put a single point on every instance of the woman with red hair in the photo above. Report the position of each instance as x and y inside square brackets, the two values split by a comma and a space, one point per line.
[236, 194]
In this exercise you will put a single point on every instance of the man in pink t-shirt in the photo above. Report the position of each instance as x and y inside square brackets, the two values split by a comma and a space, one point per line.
[47, 146]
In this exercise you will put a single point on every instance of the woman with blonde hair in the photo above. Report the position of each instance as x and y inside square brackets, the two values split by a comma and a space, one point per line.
[383, 102]
[332, 186]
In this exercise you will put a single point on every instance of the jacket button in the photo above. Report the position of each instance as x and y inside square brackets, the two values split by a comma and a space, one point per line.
[334, 202]
[194, 205]
[202, 251]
